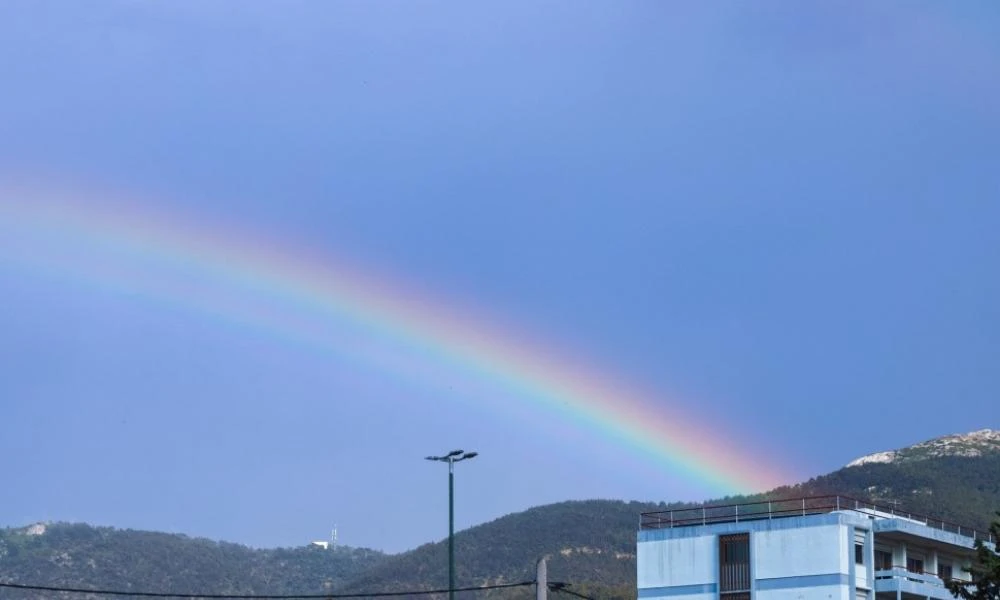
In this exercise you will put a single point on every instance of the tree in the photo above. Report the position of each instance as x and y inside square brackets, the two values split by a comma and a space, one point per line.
[985, 584]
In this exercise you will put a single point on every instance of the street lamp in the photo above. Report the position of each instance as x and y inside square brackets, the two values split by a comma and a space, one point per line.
[451, 458]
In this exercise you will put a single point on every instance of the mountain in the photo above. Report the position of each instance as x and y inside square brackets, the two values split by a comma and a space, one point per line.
[63, 554]
[590, 544]
[960, 489]
[977, 443]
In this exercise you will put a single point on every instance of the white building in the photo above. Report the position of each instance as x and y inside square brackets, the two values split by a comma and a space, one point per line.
[821, 548]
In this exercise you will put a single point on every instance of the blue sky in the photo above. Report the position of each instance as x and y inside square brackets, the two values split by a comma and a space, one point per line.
[783, 217]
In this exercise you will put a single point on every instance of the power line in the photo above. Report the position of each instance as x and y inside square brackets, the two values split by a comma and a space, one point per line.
[47, 588]
[558, 586]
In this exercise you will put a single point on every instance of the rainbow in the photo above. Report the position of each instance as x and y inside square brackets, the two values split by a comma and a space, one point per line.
[298, 295]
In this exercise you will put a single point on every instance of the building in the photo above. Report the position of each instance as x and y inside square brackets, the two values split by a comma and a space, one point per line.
[819, 548]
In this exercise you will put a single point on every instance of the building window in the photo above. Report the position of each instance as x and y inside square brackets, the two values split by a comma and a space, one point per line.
[859, 553]
[915, 565]
[883, 560]
[944, 570]
[734, 566]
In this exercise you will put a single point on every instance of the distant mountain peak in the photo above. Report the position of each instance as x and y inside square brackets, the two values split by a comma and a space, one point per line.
[975, 443]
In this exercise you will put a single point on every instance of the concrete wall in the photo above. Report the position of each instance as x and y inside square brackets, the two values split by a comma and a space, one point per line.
[801, 552]
[807, 563]
[819, 592]
[678, 562]
[798, 558]
[685, 568]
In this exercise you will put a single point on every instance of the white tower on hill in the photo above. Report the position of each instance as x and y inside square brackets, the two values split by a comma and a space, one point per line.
[326, 545]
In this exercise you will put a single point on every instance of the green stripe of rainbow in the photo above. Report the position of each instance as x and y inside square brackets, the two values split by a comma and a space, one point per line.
[300, 287]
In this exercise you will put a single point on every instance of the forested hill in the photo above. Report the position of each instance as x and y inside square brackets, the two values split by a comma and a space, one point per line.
[585, 542]
[960, 489]
[77, 555]
[590, 544]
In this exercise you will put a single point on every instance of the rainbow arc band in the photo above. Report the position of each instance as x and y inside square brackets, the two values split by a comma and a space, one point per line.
[163, 255]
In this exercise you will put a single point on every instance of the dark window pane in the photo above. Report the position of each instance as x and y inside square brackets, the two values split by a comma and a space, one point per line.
[734, 565]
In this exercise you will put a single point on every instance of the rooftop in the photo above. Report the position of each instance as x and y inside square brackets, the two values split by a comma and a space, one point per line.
[795, 507]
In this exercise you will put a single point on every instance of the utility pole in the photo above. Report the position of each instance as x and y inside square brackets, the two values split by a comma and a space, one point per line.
[541, 580]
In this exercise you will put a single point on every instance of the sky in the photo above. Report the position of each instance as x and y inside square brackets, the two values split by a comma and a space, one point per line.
[259, 259]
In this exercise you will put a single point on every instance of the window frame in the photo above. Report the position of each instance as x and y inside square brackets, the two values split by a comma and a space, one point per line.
[881, 553]
[735, 560]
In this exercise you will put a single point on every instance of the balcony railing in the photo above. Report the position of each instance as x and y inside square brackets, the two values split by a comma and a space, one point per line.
[903, 573]
[792, 507]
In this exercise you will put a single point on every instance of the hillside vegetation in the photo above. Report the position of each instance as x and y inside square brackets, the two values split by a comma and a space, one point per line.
[77, 555]
[590, 544]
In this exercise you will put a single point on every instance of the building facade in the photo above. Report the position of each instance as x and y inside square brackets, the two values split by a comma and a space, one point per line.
[825, 548]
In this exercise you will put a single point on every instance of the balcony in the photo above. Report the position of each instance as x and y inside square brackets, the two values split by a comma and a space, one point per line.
[904, 582]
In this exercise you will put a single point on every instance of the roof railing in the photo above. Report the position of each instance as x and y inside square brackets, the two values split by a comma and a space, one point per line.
[791, 507]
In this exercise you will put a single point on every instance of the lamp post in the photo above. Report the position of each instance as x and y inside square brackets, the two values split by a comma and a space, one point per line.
[451, 458]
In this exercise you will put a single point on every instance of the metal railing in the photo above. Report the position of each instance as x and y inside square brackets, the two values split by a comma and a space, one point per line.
[792, 507]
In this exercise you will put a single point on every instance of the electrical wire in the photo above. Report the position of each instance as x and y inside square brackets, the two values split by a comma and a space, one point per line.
[47, 588]
[558, 586]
